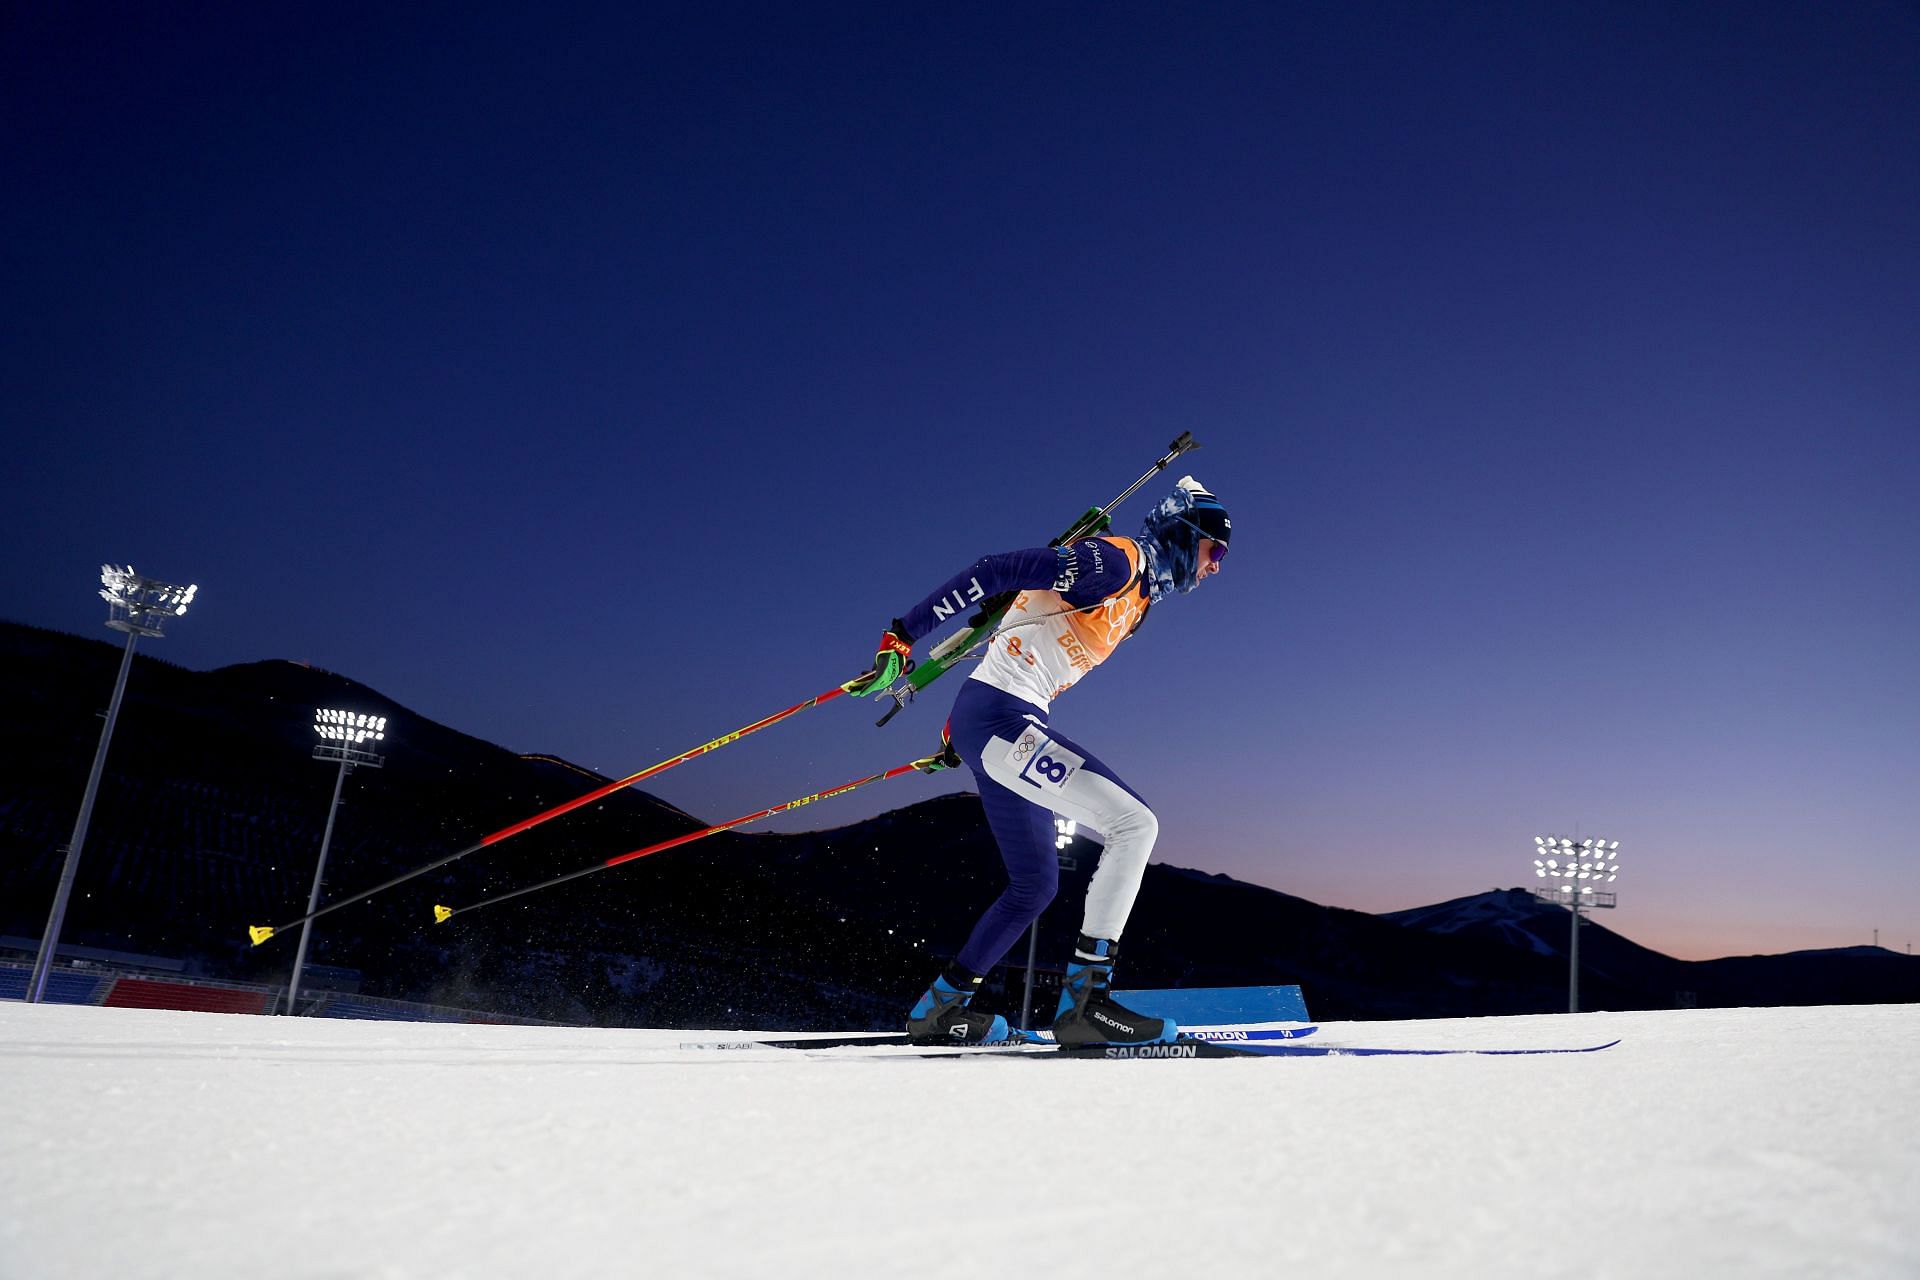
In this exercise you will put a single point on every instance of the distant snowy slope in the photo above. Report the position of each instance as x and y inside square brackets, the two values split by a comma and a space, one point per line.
[1752, 1142]
[1512, 916]
[1618, 973]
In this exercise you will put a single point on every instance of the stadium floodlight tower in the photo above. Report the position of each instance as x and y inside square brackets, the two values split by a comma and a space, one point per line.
[350, 738]
[139, 606]
[1580, 866]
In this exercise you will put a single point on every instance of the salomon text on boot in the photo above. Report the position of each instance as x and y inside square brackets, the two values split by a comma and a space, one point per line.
[1089, 1014]
[942, 1016]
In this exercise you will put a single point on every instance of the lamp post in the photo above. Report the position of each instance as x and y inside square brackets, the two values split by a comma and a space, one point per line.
[1578, 866]
[344, 736]
[139, 606]
[1063, 832]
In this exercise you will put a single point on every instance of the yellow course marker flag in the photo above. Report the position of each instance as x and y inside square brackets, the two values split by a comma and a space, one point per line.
[259, 933]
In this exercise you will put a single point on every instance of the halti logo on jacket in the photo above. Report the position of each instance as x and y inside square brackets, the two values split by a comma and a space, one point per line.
[974, 593]
[1070, 557]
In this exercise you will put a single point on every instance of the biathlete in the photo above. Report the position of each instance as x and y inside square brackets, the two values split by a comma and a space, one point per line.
[1076, 603]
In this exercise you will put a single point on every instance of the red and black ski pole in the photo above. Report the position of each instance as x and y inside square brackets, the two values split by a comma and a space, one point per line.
[442, 914]
[260, 933]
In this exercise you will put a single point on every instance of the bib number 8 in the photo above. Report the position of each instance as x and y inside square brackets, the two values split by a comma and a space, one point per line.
[1043, 763]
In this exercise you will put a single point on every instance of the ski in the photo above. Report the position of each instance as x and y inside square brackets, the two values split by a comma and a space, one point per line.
[1020, 1040]
[1236, 1035]
[1276, 1044]
[1186, 1048]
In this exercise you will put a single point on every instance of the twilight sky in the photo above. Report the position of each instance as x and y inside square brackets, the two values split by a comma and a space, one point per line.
[596, 379]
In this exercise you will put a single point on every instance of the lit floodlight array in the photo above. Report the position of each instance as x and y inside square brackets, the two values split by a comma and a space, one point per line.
[136, 606]
[349, 738]
[142, 597]
[1065, 827]
[349, 726]
[1558, 858]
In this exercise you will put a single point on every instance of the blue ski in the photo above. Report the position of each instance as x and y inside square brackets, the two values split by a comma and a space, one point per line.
[1188, 1048]
[1021, 1040]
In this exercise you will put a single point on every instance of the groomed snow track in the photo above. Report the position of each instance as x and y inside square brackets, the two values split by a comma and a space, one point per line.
[1755, 1142]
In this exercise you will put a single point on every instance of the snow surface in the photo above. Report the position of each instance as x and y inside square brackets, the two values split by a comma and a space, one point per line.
[1722, 1143]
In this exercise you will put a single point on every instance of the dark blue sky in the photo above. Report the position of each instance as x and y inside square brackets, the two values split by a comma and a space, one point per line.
[596, 380]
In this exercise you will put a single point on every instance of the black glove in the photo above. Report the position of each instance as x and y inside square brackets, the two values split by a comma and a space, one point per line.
[945, 758]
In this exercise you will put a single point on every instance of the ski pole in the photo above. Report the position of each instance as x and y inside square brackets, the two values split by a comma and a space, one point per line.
[260, 933]
[981, 625]
[442, 914]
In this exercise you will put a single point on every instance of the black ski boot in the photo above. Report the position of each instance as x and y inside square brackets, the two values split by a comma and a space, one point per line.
[942, 1016]
[1089, 1014]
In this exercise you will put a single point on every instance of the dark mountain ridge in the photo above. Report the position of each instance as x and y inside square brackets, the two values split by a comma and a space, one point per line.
[1849, 975]
[210, 815]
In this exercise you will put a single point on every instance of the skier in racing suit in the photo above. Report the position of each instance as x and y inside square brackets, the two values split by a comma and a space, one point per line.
[1076, 603]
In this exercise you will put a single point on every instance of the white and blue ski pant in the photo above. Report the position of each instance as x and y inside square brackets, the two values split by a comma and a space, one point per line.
[1028, 773]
